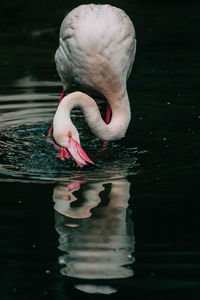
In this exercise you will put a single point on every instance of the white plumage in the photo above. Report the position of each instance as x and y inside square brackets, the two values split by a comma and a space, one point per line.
[96, 52]
[97, 43]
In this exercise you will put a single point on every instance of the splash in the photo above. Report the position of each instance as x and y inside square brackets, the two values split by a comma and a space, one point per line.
[26, 153]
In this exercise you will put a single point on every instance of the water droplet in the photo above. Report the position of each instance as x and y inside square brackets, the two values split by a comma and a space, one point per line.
[47, 271]
[168, 103]
[164, 139]
[34, 246]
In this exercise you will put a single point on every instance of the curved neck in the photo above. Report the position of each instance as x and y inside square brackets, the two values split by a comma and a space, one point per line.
[116, 129]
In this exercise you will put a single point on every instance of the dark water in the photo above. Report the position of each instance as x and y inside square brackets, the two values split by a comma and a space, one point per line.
[131, 227]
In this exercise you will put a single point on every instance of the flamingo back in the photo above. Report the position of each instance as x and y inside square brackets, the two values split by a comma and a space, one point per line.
[96, 48]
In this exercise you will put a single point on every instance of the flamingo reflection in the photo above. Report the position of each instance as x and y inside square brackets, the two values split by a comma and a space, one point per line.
[95, 234]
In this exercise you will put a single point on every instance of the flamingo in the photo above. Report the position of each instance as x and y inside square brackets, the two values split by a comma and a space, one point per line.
[96, 52]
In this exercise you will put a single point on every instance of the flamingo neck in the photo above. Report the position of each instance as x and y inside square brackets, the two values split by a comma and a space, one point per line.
[117, 127]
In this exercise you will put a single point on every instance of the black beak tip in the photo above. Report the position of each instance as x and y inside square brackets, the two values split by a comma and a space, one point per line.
[90, 166]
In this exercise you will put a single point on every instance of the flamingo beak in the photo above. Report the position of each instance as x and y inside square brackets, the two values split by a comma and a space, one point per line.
[79, 154]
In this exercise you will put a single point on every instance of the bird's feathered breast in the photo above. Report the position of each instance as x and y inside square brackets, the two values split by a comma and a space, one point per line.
[97, 47]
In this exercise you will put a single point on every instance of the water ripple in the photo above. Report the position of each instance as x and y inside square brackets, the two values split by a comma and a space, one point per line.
[26, 154]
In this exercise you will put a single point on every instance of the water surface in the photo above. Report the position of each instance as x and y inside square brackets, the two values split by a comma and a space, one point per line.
[130, 227]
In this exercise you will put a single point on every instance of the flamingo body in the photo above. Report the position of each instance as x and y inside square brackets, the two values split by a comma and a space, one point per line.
[96, 52]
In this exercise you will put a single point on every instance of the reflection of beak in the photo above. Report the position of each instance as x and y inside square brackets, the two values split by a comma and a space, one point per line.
[79, 154]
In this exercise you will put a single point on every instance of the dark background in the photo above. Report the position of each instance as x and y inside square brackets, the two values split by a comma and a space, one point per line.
[164, 194]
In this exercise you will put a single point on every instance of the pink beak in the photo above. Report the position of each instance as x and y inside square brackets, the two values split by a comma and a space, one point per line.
[79, 154]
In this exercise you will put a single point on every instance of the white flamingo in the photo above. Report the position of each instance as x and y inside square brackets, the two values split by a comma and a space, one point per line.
[96, 52]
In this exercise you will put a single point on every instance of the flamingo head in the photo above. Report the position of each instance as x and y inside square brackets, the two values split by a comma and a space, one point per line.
[70, 147]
